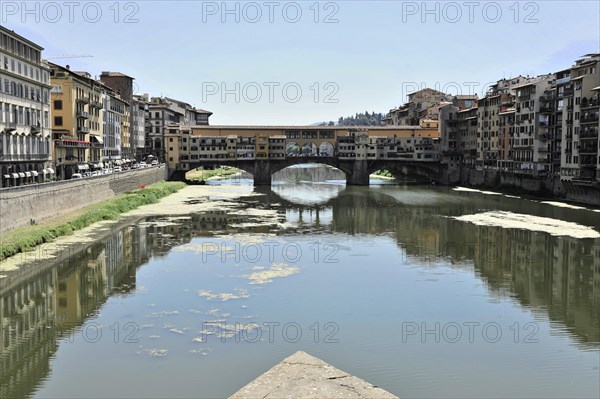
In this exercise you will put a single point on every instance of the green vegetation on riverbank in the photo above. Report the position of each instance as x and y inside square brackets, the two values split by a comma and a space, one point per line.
[29, 237]
[200, 174]
[383, 174]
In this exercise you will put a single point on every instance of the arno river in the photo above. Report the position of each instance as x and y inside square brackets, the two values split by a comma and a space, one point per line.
[426, 292]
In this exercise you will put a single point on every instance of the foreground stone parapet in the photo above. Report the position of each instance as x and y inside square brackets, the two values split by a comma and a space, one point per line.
[304, 376]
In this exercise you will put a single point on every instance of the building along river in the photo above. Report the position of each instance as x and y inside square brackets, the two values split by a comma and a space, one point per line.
[427, 292]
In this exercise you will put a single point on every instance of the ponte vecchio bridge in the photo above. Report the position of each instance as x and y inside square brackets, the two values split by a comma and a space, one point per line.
[264, 150]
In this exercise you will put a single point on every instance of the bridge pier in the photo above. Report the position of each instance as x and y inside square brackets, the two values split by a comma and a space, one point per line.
[357, 173]
[175, 175]
[262, 173]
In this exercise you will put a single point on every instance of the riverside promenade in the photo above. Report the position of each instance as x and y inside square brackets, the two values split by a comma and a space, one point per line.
[304, 376]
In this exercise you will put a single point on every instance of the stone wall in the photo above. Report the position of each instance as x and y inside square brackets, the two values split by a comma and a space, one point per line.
[24, 205]
[530, 185]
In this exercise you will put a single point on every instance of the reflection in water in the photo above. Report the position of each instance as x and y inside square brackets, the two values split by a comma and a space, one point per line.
[36, 312]
[554, 277]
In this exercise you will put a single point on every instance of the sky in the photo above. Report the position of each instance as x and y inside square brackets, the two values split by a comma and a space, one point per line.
[302, 62]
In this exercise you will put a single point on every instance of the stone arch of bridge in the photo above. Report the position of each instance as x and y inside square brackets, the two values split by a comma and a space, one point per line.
[416, 170]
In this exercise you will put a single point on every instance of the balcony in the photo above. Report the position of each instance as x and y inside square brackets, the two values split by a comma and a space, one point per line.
[24, 157]
[546, 109]
[592, 103]
[83, 129]
[10, 126]
[564, 80]
[588, 150]
[83, 115]
[72, 143]
[83, 100]
[96, 104]
[589, 119]
[588, 134]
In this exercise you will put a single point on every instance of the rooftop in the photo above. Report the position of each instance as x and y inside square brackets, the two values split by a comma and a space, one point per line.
[19, 37]
[115, 74]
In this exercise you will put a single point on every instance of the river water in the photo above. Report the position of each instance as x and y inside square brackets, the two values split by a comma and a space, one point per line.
[427, 292]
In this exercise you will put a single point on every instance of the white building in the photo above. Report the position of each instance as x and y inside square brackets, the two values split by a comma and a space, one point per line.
[25, 130]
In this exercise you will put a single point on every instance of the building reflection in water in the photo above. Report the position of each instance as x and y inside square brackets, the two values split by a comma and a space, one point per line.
[558, 277]
[36, 312]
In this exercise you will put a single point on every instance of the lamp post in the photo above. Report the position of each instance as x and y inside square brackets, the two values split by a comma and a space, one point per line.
[10, 168]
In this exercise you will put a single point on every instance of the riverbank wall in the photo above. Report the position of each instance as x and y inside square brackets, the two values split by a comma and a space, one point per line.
[552, 188]
[25, 205]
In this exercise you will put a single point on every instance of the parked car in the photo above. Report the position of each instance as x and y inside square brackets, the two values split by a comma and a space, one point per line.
[117, 169]
[106, 171]
[143, 164]
[135, 166]
[154, 163]
[76, 176]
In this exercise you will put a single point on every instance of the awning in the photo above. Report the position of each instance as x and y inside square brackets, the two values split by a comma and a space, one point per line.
[7, 176]
[45, 171]
[50, 170]
[21, 174]
[15, 175]
[28, 174]
[34, 173]
[97, 138]
[82, 167]
[100, 165]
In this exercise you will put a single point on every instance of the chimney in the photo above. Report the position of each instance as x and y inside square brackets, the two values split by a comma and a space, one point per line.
[68, 67]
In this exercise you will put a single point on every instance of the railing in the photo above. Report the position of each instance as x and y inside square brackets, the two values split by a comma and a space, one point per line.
[73, 143]
[594, 103]
[83, 114]
[561, 81]
[83, 100]
[83, 129]
[588, 119]
[591, 134]
[24, 157]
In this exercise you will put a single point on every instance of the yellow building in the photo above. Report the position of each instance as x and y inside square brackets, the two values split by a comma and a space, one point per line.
[186, 145]
[76, 109]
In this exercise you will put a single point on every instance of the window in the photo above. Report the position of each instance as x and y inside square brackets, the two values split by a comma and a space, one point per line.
[58, 121]
[57, 104]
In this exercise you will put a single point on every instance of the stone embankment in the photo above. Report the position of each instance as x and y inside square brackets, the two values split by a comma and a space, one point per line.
[25, 205]
[588, 194]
